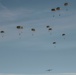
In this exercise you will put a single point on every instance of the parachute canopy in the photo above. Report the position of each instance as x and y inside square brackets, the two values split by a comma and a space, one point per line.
[65, 4]
[2, 31]
[47, 26]
[50, 29]
[54, 42]
[63, 34]
[53, 9]
[58, 8]
[49, 70]
[19, 27]
[32, 29]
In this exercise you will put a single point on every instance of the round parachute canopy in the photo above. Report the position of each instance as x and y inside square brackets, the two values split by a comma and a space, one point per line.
[2, 31]
[63, 34]
[19, 27]
[47, 26]
[54, 42]
[50, 29]
[32, 29]
[49, 70]
[65, 4]
[53, 9]
[58, 8]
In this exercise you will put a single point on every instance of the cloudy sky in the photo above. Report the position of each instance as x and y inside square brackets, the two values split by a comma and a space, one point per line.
[34, 52]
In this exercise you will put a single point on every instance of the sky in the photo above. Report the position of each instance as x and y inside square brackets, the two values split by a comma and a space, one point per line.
[34, 52]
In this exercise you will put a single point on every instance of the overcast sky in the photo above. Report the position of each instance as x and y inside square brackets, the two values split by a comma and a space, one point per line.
[34, 52]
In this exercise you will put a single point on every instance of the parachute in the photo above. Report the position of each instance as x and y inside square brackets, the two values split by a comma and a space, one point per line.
[53, 10]
[50, 29]
[20, 28]
[47, 26]
[33, 30]
[49, 70]
[2, 32]
[58, 8]
[54, 42]
[66, 4]
[63, 35]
